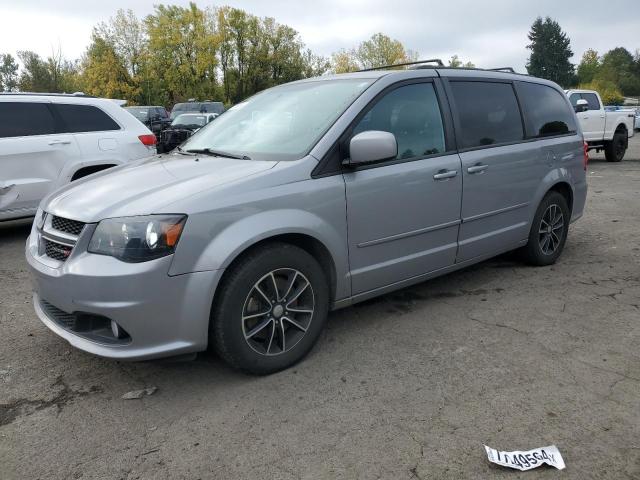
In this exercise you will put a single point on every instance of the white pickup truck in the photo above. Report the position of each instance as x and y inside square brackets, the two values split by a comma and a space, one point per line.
[603, 130]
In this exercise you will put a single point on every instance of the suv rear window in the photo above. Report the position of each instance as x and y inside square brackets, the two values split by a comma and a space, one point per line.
[84, 118]
[20, 119]
[546, 110]
[488, 113]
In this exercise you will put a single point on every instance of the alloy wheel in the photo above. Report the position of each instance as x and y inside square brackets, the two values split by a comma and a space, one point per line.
[278, 311]
[551, 229]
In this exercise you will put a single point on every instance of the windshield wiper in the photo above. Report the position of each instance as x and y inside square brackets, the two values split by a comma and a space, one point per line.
[218, 153]
[184, 152]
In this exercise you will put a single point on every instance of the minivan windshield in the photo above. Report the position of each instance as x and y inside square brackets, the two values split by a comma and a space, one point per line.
[282, 123]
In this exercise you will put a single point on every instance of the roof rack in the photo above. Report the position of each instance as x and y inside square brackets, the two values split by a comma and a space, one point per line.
[44, 94]
[419, 62]
[501, 69]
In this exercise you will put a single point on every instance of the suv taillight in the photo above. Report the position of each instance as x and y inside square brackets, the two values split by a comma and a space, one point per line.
[148, 140]
[585, 160]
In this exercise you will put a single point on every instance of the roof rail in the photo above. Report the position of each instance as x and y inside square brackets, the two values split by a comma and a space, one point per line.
[419, 62]
[502, 69]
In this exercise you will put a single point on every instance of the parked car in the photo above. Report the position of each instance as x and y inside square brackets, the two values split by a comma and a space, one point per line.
[49, 140]
[307, 197]
[181, 128]
[197, 107]
[155, 118]
[603, 130]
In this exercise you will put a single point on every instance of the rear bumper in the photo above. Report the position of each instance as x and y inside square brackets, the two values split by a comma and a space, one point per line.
[163, 315]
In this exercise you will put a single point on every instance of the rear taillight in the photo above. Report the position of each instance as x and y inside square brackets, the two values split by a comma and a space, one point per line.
[148, 140]
[585, 160]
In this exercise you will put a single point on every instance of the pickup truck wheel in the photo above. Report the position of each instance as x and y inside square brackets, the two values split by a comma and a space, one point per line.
[548, 232]
[615, 149]
[270, 310]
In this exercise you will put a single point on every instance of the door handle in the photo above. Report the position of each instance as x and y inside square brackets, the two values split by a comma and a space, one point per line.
[444, 174]
[477, 168]
[60, 142]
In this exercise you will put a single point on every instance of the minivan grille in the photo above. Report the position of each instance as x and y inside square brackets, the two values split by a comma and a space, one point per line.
[57, 251]
[66, 225]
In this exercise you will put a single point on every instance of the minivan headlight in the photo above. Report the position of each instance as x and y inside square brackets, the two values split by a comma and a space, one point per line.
[40, 217]
[137, 239]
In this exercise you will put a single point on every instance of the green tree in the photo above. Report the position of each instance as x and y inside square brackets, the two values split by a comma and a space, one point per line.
[127, 35]
[455, 62]
[182, 52]
[588, 66]
[381, 50]
[257, 53]
[609, 92]
[104, 73]
[619, 67]
[344, 61]
[8, 73]
[34, 76]
[55, 74]
[550, 52]
[378, 51]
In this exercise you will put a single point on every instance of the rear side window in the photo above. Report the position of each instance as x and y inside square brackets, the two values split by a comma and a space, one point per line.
[84, 118]
[546, 110]
[488, 113]
[412, 114]
[18, 119]
[592, 100]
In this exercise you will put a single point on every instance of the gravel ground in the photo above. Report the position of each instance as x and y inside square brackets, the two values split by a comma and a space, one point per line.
[410, 385]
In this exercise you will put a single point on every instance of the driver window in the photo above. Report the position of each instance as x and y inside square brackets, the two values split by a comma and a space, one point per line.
[411, 113]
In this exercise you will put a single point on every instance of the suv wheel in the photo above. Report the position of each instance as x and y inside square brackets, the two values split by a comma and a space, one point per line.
[548, 231]
[270, 310]
[615, 149]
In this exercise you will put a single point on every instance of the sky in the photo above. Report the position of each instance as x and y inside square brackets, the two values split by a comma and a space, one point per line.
[490, 33]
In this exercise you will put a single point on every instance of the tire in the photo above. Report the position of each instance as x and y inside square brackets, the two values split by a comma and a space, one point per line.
[615, 149]
[240, 309]
[539, 251]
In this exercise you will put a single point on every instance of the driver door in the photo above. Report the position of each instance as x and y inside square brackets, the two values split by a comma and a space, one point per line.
[403, 215]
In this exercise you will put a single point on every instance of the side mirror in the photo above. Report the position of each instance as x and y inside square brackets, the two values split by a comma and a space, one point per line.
[581, 106]
[372, 146]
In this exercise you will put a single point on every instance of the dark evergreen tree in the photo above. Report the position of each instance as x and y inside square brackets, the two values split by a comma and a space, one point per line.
[550, 52]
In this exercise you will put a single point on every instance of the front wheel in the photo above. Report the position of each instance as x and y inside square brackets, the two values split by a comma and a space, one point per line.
[549, 231]
[615, 149]
[271, 309]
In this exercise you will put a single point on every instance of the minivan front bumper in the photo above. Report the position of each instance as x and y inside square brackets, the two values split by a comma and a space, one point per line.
[162, 315]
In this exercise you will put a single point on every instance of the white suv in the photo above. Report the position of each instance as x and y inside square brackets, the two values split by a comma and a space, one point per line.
[48, 140]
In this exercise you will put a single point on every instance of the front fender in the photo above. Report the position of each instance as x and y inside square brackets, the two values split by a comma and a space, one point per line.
[326, 224]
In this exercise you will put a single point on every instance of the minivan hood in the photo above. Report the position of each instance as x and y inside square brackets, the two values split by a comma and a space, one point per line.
[145, 186]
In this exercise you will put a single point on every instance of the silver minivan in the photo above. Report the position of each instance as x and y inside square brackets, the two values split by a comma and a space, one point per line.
[307, 197]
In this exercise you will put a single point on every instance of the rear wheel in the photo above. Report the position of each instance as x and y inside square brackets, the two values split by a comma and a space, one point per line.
[615, 149]
[270, 310]
[548, 231]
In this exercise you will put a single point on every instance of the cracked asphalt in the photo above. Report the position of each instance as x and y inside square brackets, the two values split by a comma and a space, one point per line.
[410, 385]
